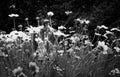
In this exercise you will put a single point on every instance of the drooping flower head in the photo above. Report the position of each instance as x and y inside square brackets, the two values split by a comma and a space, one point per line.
[50, 13]
[13, 15]
[102, 27]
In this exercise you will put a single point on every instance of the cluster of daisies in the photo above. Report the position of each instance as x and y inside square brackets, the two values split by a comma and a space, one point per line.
[45, 35]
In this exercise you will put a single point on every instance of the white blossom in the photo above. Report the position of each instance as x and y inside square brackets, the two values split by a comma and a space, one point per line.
[35, 54]
[45, 20]
[61, 27]
[35, 65]
[26, 19]
[60, 51]
[39, 40]
[88, 42]
[50, 13]
[82, 21]
[79, 20]
[68, 12]
[108, 32]
[18, 69]
[74, 39]
[105, 52]
[37, 18]
[97, 34]
[102, 26]
[34, 29]
[20, 26]
[115, 71]
[13, 15]
[2, 37]
[15, 34]
[12, 6]
[59, 33]
[115, 29]
[117, 49]
[72, 31]
[102, 44]
[87, 21]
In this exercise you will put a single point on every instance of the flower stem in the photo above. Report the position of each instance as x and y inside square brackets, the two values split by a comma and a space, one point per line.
[14, 23]
[28, 23]
[38, 23]
[50, 22]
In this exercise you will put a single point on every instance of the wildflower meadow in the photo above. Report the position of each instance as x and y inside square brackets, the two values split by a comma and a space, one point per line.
[42, 50]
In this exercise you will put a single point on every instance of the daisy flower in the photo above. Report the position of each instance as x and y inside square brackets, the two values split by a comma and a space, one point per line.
[102, 44]
[50, 13]
[102, 26]
[13, 15]
[17, 70]
[34, 67]
[68, 12]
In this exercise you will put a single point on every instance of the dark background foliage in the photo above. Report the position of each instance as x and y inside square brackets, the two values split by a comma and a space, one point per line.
[105, 12]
